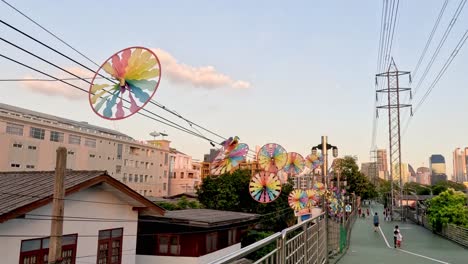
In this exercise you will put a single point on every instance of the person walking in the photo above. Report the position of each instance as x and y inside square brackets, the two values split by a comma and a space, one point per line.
[396, 231]
[368, 212]
[376, 222]
[399, 239]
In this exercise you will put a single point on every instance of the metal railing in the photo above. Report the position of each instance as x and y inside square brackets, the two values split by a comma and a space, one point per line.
[452, 232]
[303, 243]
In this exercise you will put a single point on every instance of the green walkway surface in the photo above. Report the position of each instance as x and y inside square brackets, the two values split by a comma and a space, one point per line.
[419, 244]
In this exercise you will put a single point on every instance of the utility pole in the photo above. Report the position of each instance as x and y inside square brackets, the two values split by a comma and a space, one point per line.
[393, 106]
[56, 228]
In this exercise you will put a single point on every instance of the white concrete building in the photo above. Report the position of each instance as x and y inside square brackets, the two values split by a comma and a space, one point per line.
[100, 218]
[29, 140]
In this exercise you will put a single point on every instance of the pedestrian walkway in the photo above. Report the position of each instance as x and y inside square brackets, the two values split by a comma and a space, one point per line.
[419, 244]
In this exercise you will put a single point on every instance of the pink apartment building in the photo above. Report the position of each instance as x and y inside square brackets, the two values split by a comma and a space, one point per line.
[29, 139]
[186, 173]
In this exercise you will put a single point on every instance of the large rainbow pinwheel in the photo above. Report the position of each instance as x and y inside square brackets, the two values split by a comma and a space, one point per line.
[264, 187]
[272, 157]
[313, 161]
[294, 164]
[125, 83]
[298, 199]
[229, 156]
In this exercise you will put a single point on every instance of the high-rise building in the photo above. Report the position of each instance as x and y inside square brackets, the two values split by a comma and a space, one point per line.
[423, 175]
[405, 173]
[369, 170]
[437, 164]
[211, 156]
[459, 164]
[29, 141]
[382, 164]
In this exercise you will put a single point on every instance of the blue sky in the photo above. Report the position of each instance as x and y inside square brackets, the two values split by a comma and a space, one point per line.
[311, 66]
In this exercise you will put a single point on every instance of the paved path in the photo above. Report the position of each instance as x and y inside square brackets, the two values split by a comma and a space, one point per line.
[419, 245]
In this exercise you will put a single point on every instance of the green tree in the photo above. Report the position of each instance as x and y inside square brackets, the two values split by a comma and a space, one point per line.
[183, 203]
[444, 185]
[357, 182]
[414, 187]
[230, 192]
[449, 207]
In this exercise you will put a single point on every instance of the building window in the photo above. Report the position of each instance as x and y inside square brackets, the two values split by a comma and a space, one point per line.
[32, 147]
[89, 142]
[56, 136]
[37, 133]
[36, 251]
[211, 242]
[119, 151]
[92, 155]
[147, 165]
[18, 145]
[15, 165]
[130, 177]
[136, 163]
[141, 178]
[110, 246]
[181, 175]
[124, 179]
[165, 174]
[146, 178]
[73, 139]
[168, 245]
[118, 168]
[71, 152]
[30, 166]
[174, 175]
[166, 158]
[144, 192]
[164, 186]
[14, 129]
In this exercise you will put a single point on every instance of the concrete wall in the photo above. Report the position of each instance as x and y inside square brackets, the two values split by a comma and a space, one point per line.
[87, 230]
[144, 259]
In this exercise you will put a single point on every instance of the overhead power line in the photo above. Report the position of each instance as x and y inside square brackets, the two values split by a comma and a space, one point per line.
[429, 40]
[459, 9]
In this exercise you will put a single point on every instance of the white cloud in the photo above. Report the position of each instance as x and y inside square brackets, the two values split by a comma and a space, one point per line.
[203, 76]
[57, 88]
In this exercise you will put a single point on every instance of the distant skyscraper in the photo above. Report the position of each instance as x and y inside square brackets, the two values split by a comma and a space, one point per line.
[211, 156]
[405, 173]
[368, 169]
[459, 165]
[412, 173]
[423, 175]
[382, 164]
[437, 164]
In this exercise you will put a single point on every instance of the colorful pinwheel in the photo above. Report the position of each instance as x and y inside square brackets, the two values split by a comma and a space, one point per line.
[125, 83]
[294, 164]
[264, 187]
[298, 199]
[313, 197]
[229, 156]
[313, 161]
[272, 157]
[319, 188]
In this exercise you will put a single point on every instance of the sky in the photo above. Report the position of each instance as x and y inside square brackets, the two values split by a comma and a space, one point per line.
[265, 71]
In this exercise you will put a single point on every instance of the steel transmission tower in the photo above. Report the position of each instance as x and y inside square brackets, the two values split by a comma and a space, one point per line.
[393, 91]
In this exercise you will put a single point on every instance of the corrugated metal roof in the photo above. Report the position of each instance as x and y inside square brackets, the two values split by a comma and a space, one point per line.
[60, 119]
[209, 216]
[18, 189]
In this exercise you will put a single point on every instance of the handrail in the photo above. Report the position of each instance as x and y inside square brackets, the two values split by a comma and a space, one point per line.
[259, 244]
[248, 249]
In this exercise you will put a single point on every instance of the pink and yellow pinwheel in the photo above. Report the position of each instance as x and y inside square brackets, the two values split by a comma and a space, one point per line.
[313, 161]
[264, 187]
[125, 83]
[298, 199]
[228, 158]
[313, 197]
[294, 164]
[272, 157]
